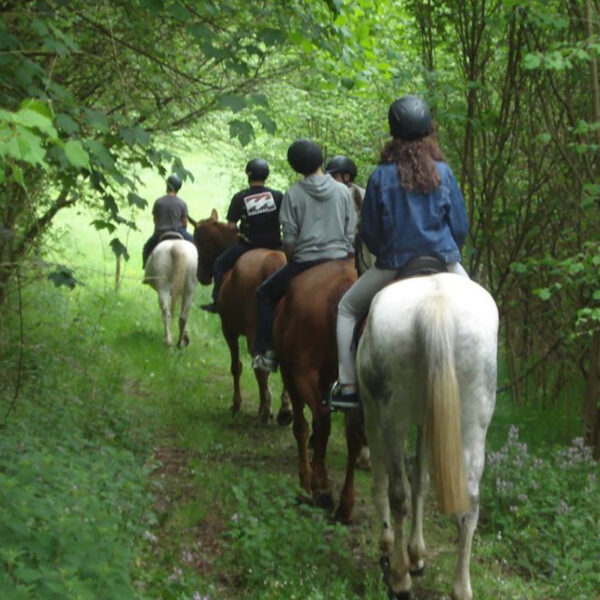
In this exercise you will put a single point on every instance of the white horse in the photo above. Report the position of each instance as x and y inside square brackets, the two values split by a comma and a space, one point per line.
[171, 271]
[428, 357]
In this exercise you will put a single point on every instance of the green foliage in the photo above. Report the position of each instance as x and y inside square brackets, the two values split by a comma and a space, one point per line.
[73, 488]
[70, 517]
[545, 511]
[272, 540]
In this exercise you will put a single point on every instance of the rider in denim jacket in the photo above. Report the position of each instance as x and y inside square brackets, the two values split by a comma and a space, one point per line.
[413, 207]
[398, 224]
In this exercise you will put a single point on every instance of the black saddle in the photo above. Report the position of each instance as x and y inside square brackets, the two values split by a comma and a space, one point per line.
[421, 265]
[170, 235]
[415, 267]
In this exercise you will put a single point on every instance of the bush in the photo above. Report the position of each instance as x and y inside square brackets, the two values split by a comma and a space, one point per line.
[284, 549]
[546, 512]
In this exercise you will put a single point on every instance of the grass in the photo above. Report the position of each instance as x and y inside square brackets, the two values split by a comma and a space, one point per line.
[182, 500]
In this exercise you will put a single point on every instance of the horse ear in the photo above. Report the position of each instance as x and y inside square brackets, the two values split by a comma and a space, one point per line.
[214, 215]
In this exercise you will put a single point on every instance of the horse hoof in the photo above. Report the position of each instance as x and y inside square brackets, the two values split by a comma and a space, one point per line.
[418, 572]
[265, 417]
[342, 518]
[304, 499]
[324, 500]
[284, 417]
[408, 595]
[384, 563]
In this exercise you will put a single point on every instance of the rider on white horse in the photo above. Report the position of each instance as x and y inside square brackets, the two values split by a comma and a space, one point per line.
[413, 207]
[170, 213]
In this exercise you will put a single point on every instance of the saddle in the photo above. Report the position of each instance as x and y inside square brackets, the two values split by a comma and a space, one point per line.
[421, 265]
[170, 235]
[415, 267]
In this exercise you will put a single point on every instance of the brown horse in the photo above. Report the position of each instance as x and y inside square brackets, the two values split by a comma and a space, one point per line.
[305, 343]
[237, 304]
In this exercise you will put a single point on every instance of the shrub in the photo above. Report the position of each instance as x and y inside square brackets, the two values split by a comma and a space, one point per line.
[545, 510]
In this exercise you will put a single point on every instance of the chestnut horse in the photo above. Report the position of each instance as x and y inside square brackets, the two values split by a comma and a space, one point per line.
[305, 343]
[427, 358]
[237, 304]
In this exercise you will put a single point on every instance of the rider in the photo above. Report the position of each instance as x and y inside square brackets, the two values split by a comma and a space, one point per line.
[317, 220]
[170, 213]
[413, 207]
[257, 210]
[343, 169]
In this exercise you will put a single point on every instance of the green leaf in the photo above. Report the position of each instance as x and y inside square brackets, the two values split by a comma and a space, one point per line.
[63, 276]
[543, 294]
[268, 124]
[38, 106]
[119, 249]
[76, 154]
[135, 135]
[27, 575]
[272, 37]
[532, 61]
[100, 154]
[242, 130]
[97, 119]
[135, 200]
[33, 119]
[232, 102]
[101, 224]
[67, 124]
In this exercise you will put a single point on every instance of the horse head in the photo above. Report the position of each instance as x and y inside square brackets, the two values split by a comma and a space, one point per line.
[211, 238]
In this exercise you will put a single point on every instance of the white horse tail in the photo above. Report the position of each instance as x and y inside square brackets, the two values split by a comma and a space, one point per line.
[436, 330]
[179, 259]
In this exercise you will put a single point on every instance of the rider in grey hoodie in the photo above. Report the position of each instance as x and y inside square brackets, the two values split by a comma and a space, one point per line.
[318, 221]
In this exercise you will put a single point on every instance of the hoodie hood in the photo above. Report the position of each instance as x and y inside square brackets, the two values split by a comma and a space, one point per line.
[320, 187]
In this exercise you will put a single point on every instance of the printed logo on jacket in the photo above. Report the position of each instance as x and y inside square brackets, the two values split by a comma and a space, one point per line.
[258, 204]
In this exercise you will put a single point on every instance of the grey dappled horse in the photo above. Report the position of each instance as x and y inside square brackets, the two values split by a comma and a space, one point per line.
[427, 358]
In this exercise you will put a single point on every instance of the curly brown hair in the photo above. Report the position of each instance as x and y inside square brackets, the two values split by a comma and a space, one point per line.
[416, 162]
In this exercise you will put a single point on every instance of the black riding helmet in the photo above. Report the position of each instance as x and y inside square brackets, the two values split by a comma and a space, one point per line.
[304, 156]
[173, 183]
[409, 118]
[342, 164]
[257, 169]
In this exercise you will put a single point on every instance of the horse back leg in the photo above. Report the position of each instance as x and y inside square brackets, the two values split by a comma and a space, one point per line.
[264, 406]
[467, 521]
[235, 365]
[399, 497]
[300, 430]
[262, 379]
[379, 480]
[284, 415]
[355, 441]
[164, 300]
[419, 484]
[186, 304]
[321, 431]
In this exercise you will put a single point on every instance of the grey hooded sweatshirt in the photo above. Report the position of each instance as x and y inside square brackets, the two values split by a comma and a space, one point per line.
[317, 216]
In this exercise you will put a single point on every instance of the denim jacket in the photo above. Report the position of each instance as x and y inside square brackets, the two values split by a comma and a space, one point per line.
[397, 224]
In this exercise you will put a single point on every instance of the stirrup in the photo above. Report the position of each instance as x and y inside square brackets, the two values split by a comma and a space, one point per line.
[265, 362]
[340, 401]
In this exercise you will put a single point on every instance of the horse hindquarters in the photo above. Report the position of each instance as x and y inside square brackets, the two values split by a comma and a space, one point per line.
[237, 310]
[431, 338]
[184, 261]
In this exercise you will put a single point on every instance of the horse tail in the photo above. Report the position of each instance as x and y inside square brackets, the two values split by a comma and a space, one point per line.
[179, 258]
[443, 422]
